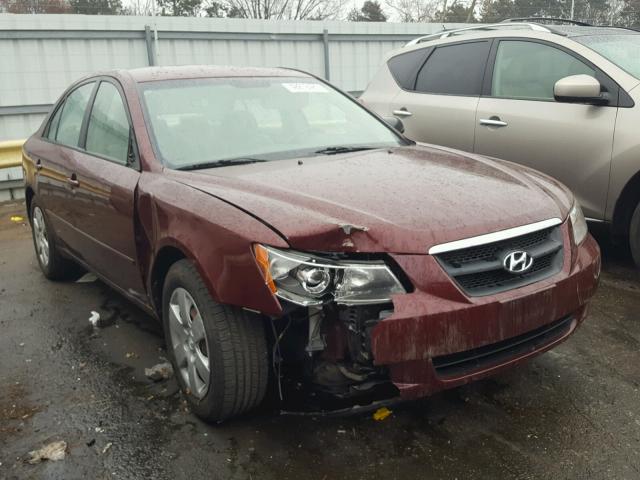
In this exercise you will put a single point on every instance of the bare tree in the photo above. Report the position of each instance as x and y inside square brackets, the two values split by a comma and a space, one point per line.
[138, 7]
[34, 6]
[285, 9]
[414, 10]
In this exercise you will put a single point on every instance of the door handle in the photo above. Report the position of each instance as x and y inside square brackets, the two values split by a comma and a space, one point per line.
[493, 122]
[73, 181]
[403, 112]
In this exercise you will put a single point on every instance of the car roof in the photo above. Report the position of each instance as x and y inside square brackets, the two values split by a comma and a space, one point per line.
[523, 29]
[152, 74]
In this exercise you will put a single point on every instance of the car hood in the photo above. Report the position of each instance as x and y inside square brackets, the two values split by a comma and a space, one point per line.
[400, 200]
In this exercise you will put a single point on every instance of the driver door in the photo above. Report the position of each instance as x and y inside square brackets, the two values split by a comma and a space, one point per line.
[521, 121]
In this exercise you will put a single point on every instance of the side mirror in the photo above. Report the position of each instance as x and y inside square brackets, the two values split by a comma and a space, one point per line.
[579, 89]
[395, 123]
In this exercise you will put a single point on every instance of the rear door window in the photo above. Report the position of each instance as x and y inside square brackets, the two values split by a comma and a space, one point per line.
[108, 130]
[53, 125]
[72, 114]
[455, 69]
[405, 67]
[529, 70]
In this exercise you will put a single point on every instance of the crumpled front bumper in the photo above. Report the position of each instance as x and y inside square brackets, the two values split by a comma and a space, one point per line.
[437, 321]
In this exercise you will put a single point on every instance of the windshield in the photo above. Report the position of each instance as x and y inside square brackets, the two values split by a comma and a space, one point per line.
[204, 121]
[620, 49]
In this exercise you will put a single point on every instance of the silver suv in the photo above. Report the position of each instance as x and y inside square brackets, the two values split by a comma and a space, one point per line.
[561, 99]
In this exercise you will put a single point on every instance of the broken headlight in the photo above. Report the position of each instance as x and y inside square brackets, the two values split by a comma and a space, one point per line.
[578, 223]
[307, 279]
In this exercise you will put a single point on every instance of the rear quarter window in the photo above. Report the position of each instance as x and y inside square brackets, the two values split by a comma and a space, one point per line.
[405, 67]
[454, 69]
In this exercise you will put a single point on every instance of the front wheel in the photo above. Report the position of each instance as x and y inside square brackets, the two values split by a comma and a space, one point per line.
[219, 353]
[634, 235]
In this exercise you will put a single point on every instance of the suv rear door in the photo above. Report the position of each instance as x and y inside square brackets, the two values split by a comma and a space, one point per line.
[440, 106]
[518, 118]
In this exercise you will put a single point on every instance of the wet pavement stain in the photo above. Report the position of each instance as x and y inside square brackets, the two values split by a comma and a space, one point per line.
[571, 413]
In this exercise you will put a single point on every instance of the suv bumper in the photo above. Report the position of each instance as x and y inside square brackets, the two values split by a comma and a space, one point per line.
[438, 338]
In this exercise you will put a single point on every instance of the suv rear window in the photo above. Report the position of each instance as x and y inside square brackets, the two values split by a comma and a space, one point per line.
[405, 67]
[454, 69]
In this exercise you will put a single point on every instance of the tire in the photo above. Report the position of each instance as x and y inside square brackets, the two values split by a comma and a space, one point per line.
[232, 341]
[634, 235]
[53, 265]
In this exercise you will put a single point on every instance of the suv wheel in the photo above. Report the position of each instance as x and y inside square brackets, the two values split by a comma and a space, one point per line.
[634, 235]
[218, 352]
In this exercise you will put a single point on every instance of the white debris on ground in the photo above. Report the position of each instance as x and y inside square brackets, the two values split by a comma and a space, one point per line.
[87, 278]
[54, 451]
[107, 447]
[161, 371]
[94, 319]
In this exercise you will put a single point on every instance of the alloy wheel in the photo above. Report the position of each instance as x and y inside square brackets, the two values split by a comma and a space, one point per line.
[41, 237]
[189, 342]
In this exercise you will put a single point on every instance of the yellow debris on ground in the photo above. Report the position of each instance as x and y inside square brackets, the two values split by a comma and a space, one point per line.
[17, 218]
[381, 414]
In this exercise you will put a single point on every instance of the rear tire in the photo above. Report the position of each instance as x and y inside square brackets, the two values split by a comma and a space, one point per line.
[218, 352]
[53, 265]
[634, 235]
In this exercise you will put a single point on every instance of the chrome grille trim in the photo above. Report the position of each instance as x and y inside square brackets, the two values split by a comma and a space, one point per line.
[494, 237]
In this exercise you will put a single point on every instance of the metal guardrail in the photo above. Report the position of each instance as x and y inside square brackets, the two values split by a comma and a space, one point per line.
[10, 157]
[11, 153]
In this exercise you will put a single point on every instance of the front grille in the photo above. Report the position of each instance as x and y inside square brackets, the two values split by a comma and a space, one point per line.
[479, 270]
[469, 361]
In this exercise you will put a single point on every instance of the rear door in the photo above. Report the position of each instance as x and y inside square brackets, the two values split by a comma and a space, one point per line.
[441, 106]
[54, 157]
[519, 120]
[106, 177]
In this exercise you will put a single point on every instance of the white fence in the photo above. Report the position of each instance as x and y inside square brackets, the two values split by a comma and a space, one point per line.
[40, 55]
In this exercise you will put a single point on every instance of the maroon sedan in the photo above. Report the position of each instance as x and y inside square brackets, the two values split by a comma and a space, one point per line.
[281, 230]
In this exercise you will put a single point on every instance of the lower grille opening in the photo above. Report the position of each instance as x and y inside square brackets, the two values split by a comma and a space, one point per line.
[463, 363]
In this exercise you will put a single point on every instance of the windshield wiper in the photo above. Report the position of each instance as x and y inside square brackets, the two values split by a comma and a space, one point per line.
[335, 150]
[222, 163]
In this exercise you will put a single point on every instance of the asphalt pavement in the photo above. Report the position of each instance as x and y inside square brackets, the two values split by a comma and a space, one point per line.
[571, 413]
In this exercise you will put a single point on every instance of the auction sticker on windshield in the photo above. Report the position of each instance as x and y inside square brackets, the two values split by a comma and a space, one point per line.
[305, 87]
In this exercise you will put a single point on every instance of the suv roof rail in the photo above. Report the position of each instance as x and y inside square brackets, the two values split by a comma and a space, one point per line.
[547, 19]
[492, 26]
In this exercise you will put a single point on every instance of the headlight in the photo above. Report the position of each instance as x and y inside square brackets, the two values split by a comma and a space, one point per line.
[578, 223]
[307, 279]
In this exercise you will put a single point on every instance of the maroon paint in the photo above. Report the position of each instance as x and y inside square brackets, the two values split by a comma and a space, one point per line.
[409, 199]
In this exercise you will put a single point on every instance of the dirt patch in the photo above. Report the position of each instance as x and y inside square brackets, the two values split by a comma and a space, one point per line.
[15, 409]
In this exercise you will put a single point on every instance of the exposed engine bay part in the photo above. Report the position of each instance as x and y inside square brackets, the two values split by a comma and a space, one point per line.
[327, 350]
[316, 341]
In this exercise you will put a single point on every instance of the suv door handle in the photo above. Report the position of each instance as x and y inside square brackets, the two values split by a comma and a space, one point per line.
[403, 112]
[73, 181]
[493, 122]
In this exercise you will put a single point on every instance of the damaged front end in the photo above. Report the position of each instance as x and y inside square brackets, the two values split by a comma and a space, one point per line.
[331, 303]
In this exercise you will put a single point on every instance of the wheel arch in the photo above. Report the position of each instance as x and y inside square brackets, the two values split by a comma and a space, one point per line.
[166, 256]
[625, 205]
[28, 197]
